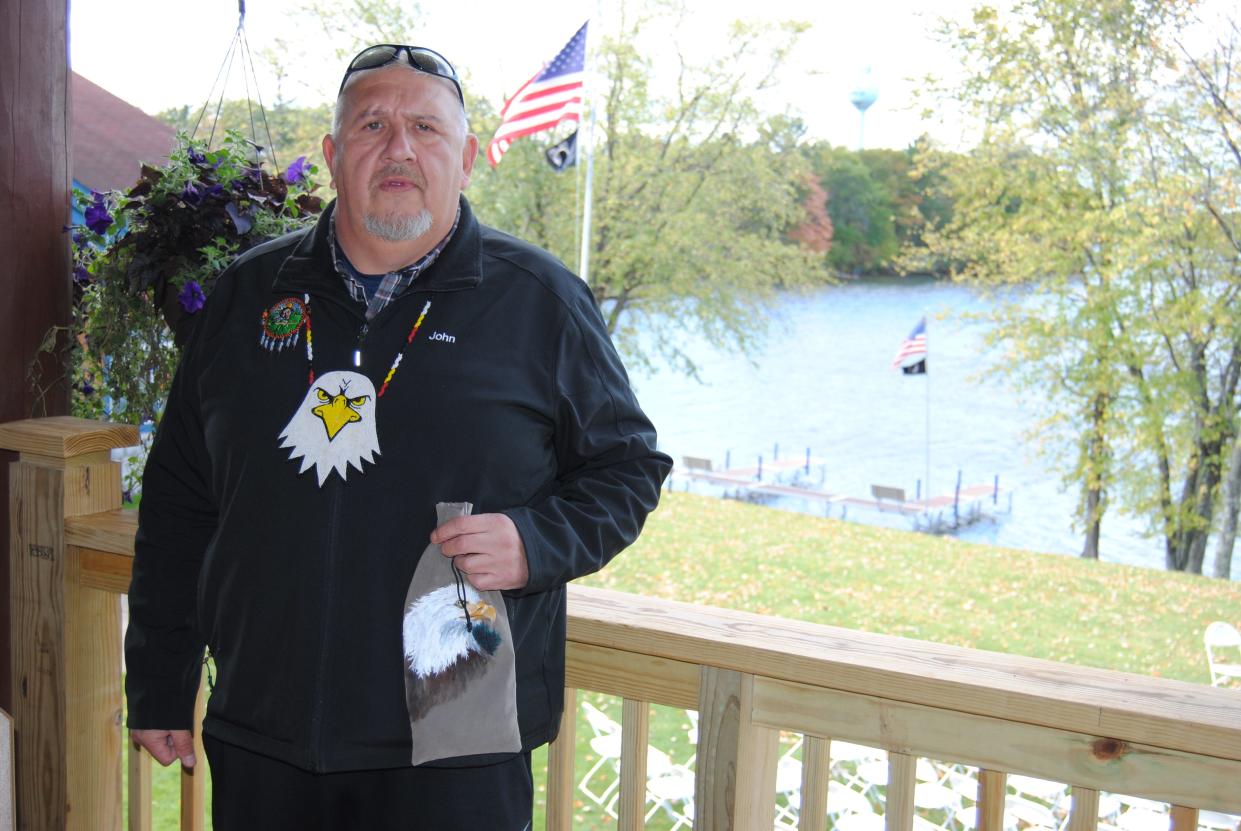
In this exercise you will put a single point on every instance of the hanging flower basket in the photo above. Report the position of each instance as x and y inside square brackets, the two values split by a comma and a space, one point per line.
[146, 260]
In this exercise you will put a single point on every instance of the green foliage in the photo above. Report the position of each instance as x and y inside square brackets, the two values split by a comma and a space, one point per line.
[692, 208]
[1098, 188]
[147, 258]
[294, 131]
[863, 211]
[878, 202]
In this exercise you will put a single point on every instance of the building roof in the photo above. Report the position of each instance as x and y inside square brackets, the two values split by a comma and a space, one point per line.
[112, 138]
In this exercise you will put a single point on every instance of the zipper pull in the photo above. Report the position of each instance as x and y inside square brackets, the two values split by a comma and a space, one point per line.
[357, 350]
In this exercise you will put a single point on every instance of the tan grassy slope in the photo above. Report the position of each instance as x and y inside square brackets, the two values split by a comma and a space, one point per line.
[725, 553]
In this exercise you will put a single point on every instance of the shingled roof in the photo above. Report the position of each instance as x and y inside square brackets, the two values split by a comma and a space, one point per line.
[112, 138]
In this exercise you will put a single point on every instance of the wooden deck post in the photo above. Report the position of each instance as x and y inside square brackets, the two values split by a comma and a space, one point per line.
[560, 774]
[68, 725]
[736, 783]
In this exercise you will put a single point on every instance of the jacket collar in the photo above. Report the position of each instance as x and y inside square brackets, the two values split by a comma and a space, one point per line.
[459, 265]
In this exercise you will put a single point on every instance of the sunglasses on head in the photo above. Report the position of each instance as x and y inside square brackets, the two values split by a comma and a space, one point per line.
[420, 58]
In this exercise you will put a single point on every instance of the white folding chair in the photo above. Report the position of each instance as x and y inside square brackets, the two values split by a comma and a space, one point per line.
[606, 744]
[1138, 814]
[670, 786]
[1215, 821]
[1221, 636]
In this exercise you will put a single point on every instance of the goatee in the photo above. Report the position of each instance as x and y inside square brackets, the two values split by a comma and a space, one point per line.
[396, 227]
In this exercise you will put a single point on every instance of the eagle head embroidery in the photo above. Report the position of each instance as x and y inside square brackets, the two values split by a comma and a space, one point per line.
[334, 426]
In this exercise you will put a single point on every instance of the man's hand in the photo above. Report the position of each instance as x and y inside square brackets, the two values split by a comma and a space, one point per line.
[166, 746]
[487, 549]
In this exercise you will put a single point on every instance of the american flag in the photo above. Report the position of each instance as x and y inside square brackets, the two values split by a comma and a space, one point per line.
[553, 95]
[911, 354]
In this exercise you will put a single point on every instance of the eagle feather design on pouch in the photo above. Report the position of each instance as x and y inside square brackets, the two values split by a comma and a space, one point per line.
[443, 652]
[458, 660]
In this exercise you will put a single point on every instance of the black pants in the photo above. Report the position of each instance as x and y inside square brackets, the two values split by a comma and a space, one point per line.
[250, 791]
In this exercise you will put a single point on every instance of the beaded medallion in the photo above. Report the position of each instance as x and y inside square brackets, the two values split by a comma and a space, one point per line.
[282, 324]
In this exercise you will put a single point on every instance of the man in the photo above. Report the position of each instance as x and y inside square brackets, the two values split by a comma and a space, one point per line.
[340, 384]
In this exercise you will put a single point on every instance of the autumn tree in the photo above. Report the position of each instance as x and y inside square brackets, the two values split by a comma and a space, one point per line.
[1124, 324]
[692, 206]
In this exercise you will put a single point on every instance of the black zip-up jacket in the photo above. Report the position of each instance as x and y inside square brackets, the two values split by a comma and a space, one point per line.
[511, 396]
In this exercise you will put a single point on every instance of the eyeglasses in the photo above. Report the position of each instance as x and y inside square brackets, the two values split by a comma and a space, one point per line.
[420, 58]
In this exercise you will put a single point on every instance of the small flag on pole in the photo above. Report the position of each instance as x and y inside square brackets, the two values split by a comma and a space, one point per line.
[911, 354]
[553, 95]
[563, 154]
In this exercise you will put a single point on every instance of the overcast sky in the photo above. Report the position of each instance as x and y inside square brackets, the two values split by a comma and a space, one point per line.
[163, 53]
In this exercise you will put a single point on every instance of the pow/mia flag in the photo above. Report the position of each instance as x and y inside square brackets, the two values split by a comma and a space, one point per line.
[563, 154]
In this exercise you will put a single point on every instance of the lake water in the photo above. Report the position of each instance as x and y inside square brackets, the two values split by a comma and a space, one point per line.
[823, 380]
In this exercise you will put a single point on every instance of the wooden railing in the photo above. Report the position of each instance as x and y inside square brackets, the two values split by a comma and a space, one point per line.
[749, 677]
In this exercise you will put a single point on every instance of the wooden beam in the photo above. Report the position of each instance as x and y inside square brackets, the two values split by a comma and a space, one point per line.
[65, 437]
[36, 538]
[635, 739]
[629, 675]
[561, 778]
[992, 792]
[1155, 712]
[1088, 760]
[94, 701]
[104, 571]
[139, 788]
[194, 780]
[816, 772]
[35, 176]
[1084, 809]
[1184, 818]
[110, 531]
[898, 813]
[66, 655]
[735, 785]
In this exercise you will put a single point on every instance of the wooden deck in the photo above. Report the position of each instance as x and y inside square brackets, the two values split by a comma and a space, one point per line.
[748, 676]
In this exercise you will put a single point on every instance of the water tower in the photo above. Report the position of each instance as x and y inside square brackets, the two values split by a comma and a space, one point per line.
[863, 95]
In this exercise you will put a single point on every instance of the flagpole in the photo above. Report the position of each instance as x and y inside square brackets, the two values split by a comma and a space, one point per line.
[588, 82]
[584, 257]
[926, 504]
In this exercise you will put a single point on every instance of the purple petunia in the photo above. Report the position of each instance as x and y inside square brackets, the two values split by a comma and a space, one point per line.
[97, 217]
[191, 195]
[192, 297]
[297, 171]
[80, 274]
[196, 157]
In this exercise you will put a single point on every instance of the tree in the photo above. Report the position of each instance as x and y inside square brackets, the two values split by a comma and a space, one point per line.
[879, 205]
[1082, 193]
[692, 207]
[863, 212]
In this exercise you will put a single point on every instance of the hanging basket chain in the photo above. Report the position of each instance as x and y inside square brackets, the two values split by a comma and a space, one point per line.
[239, 47]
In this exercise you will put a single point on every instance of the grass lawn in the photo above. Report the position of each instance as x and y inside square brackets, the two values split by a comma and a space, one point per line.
[723, 553]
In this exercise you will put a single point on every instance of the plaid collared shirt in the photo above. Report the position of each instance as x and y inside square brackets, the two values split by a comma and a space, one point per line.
[394, 282]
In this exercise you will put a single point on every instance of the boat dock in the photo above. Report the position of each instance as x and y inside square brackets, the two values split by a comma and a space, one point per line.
[965, 503]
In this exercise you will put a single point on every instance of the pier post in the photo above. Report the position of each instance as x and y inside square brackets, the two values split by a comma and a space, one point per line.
[956, 502]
